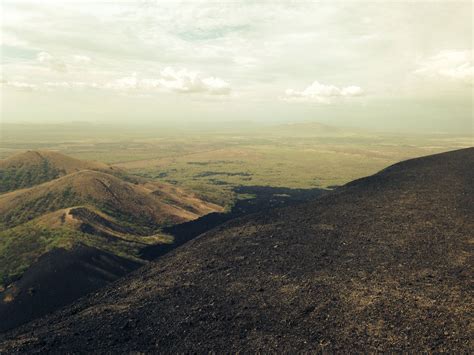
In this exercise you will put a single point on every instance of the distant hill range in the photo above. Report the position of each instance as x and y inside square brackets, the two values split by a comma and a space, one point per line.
[381, 264]
[316, 129]
[72, 226]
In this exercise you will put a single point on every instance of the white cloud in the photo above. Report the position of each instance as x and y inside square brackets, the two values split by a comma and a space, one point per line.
[71, 84]
[126, 83]
[52, 62]
[248, 62]
[19, 85]
[169, 80]
[449, 64]
[62, 64]
[81, 59]
[185, 81]
[44, 57]
[181, 81]
[321, 93]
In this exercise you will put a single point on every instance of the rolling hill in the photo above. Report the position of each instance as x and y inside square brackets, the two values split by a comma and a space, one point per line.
[381, 264]
[55, 222]
[146, 206]
[37, 166]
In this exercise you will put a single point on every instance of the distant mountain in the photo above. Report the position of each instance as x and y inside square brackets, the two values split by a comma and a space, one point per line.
[310, 129]
[81, 210]
[381, 264]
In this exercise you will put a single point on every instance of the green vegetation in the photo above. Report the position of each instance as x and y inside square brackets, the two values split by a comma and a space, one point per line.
[22, 245]
[211, 163]
[89, 204]
[12, 178]
[28, 209]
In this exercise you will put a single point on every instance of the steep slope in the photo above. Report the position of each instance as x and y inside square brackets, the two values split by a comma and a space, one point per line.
[79, 270]
[384, 263]
[22, 245]
[35, 167]
[57, 257]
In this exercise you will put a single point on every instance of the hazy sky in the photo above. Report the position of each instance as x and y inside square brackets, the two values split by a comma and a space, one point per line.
[381, 64]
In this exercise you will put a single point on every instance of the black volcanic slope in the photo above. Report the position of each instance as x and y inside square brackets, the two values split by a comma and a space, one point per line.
[384, 263]
[58, 278]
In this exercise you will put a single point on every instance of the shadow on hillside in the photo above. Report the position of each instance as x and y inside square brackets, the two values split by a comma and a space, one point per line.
[265, 198]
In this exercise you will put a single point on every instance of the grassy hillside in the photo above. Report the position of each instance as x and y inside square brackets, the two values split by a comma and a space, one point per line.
[35, 167]
[84, 204]
[32, 168]
[22, 245]
[143, 206]
[70, 209]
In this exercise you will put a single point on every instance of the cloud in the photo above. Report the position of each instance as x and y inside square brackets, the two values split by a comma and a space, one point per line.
[44, 57]
[71, 85]
[321, 93]
[449, 64]
[172, 80]
[62, 64]
[125, 83]
[81, 59]
[185, 81]
[169, 80]
[52, 62]
[20, 86]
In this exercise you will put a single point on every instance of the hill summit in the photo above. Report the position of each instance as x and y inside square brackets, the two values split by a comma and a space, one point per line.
[37, 166]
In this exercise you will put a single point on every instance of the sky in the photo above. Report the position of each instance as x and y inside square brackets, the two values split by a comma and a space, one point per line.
[402, 66]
